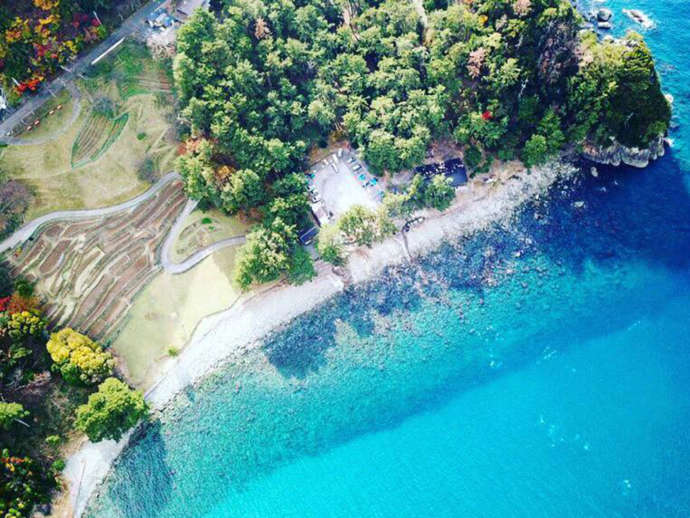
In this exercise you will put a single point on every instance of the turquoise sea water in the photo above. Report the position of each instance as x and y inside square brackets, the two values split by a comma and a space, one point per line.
[540, 370]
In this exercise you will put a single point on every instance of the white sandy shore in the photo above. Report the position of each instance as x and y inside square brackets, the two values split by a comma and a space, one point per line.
[220, 336]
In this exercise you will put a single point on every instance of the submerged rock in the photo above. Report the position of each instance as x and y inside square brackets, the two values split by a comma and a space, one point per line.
[605, 26]
[604, 15]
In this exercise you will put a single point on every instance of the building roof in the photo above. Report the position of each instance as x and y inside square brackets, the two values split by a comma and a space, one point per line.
[453, 169]
[186, 7]
[308, 235]
[320, 213]
[159, 18]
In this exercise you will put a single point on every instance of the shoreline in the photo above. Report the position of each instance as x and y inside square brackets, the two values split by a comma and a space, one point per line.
[484, 201]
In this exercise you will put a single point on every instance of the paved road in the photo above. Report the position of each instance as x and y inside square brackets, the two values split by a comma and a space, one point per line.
[129, 26]
[196, 257]
[26, 231]
[76, 110]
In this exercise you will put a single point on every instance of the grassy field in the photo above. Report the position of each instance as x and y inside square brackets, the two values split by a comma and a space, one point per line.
[52, 118]
[94, 162]
[166, 312]
[205, 228]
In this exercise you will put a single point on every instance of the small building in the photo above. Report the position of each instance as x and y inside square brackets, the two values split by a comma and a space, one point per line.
[454, 169]
[159, 19]
[318, 210]
[185, 8]
[307, 236]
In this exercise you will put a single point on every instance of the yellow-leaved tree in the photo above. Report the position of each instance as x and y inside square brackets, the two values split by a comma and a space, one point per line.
[79, 359]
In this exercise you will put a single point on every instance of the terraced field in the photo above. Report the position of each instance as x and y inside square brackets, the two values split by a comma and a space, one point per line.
[95, 137]
[90, 157]
[89, 271]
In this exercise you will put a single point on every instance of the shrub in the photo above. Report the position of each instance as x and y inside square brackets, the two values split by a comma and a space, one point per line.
[53, 440]
[19, 303]
[146, 170]
[104, 106]
[24, 324]
[473, 157]
[79, 359]
[111, 411]
[22, 485]
[329, 244]
[10, 413]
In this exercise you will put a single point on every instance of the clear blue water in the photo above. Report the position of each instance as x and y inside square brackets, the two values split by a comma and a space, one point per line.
[540, 370]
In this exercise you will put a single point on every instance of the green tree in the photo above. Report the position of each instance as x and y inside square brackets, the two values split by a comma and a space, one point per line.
[79, 359]
[439, 193]
[243, 191]
[301, 266]
[11, 413]
[292, 210]
[360, 225]
[329, 244]
[290, 184]
[550, 128]
[535, 151]
[266, 254]
[197, 172]
[111, 411]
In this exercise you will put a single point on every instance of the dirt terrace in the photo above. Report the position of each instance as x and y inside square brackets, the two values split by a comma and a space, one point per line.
[89, 271]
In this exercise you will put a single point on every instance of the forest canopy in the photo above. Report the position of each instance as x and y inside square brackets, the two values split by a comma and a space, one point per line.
[261, 82]
[39, 36]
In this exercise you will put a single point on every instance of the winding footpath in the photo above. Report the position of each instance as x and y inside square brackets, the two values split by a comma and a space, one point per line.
[76, 111]
[26, 231]
[197, 256]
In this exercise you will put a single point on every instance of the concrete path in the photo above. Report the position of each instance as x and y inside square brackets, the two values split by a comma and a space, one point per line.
[197, 256]
[26, 231]
[131, 25]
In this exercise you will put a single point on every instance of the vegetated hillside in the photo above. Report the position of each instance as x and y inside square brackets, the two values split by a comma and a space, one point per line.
[502, 78]
[44, 384]
[37, 36]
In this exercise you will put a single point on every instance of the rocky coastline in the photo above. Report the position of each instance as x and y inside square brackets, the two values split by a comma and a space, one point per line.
[617, 154]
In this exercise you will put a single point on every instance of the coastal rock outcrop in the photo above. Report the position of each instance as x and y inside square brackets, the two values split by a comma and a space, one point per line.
[617, 154]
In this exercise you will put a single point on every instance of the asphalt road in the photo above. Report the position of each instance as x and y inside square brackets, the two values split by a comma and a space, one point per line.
[131, 25]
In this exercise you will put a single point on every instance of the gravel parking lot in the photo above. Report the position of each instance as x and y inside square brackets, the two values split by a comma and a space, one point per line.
[343, 181]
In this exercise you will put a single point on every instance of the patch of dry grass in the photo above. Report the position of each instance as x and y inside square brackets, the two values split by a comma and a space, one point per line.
[166, 312]
[202, 229]
[112, 177]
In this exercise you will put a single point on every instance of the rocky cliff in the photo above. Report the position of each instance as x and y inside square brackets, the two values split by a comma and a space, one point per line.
[617, 154]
